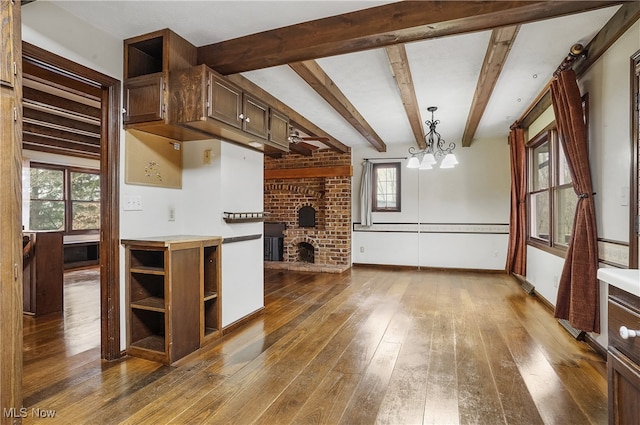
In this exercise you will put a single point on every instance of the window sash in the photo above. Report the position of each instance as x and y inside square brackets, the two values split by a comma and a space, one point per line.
[551, 199]
[386, 187]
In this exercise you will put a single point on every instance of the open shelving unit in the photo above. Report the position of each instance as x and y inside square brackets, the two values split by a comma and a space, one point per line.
[173, 295]
[211, 311]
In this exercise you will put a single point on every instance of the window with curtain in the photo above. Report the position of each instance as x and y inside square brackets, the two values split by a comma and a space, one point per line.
[64, 199]
[551, 198]
[386, 187]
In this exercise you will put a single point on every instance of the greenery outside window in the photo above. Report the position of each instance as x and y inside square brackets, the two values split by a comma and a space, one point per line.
[386, 187]
[551, 198]
[64, 199]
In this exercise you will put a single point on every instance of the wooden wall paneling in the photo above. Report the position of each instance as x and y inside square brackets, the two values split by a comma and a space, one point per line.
[11, 216]
[6, 28]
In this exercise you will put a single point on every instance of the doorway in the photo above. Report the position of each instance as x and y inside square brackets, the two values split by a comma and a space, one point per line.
[44, 67]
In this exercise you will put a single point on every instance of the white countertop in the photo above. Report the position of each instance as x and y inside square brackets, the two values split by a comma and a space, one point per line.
[625, 279]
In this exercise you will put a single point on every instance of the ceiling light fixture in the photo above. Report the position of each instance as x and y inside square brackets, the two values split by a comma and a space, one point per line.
[436, 149]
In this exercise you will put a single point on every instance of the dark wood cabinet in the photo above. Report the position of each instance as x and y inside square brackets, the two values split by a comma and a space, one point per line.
[42, 273]
[255, 116]
[278, 128]
[173, 295]
[144, 98]
[148, 61]
[203, 100]
[224, 101]
[167, 94]
[623, 358]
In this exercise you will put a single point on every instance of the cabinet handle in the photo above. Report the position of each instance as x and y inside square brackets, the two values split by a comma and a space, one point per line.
[248, 119]
[241, 116]
[626, 333]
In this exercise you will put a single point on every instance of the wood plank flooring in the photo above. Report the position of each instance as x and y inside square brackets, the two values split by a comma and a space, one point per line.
[368, 346]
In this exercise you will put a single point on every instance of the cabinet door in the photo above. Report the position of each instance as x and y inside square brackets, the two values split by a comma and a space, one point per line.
[624, 389]
[278, 128]
[225, 102]
[6, 27]
[144, 98]
[256, 117]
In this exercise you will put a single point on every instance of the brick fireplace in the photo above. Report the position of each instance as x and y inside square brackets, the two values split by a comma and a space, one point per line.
[311, 196]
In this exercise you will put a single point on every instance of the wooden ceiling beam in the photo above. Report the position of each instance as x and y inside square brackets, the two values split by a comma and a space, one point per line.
[70, 152]
[37, 115]
[300, 122]
[42, 74]
[60, 103]
[42, 129]
[619, 23]
[394, 23]
[399, 62]
[497, 52]
[63, 146]
[313, 74]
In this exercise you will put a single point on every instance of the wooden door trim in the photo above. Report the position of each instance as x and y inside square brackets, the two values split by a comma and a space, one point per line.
[634, 207]
[109, 187]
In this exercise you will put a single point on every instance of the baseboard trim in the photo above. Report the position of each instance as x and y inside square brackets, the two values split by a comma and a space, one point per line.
[586, 338]
[595, 345]
[242, 321]
[422, 268]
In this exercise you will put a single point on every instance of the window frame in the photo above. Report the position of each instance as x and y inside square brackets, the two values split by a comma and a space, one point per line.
[67, 198]
[548, 135]
[374, 186]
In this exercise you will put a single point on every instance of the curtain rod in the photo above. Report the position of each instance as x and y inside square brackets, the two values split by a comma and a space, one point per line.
[576, 51]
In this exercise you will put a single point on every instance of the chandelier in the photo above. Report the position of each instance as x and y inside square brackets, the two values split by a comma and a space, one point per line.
[436, 150]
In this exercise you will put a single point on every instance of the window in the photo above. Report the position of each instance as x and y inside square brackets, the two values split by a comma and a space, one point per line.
[64, 198]
[386, 187]
[552, 201]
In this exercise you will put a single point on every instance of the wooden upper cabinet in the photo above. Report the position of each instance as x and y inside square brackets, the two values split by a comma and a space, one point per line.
[148, 59]
[166, 93]
[144, 98]
[278, 127]
[225, 101]
[8, 60]
[255, 116]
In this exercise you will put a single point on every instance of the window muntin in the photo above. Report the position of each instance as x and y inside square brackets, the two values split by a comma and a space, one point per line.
[386, 187]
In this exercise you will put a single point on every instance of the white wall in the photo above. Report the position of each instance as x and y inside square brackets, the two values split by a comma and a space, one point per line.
[476, 191]
[609, 85]
[194, 213]
[233, 182]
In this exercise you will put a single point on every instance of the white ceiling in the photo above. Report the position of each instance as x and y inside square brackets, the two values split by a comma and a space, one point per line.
[445, 70]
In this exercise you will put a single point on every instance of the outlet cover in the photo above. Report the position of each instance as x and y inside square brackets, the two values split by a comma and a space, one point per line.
[133, 203]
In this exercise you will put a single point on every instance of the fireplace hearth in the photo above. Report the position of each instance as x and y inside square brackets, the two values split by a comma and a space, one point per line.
[306, 252]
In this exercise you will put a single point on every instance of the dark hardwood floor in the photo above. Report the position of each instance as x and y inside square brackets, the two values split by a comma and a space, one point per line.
[367, 346]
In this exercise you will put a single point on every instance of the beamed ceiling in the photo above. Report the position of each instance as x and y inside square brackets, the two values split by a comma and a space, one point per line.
[363, 73]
